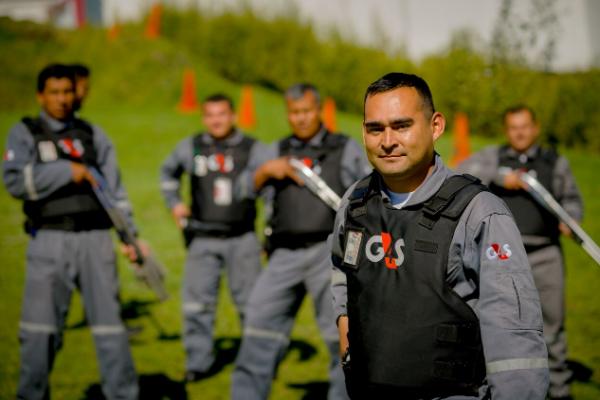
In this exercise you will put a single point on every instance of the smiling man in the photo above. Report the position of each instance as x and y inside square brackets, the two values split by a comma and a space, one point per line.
[499, 167]
[218, 227]
[432, 290]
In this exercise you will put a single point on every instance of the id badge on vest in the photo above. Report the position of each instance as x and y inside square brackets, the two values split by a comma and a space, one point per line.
[222, 191]
[354, 239]
[47, 151]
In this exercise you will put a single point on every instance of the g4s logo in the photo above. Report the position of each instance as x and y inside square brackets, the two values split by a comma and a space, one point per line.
[379, 247]
[496, 251]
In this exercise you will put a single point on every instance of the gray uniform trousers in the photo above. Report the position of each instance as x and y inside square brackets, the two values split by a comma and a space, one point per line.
[205, 260]
[57, 263]
[270, 315]
[548, 273]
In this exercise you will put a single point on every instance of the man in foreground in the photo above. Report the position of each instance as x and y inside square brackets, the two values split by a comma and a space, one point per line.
[432, 290]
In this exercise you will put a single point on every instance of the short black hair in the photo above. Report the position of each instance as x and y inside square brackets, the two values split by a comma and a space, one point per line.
[394, 80]
[54, 71]
[297, 91]
[518, 108]
[218, 97]
[80, 70]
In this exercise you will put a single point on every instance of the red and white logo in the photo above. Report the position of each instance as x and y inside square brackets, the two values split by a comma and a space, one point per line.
[74, 148]
[495, 251]
[379, 247]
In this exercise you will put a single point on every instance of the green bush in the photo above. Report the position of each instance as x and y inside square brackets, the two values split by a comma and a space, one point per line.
[274, 53]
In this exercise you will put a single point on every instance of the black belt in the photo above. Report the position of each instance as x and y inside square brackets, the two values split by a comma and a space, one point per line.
[295, 241]
[73, 223]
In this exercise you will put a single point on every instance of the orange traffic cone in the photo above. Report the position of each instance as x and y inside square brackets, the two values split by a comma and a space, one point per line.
[153, 25]
[328, 114]
[462, 149]
[114, 31]
[188, 102]
[247, 114]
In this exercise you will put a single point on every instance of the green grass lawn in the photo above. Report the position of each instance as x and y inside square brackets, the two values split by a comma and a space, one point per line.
[143, 138]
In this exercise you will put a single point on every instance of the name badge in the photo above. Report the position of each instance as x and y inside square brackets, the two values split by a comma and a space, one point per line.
[47, 151]
[353, 240]
[222, 191]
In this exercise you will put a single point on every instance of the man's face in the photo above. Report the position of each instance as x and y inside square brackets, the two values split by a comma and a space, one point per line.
[521, 130]
[398, 135]
[219, 118]
[57, 98]
[304, 116]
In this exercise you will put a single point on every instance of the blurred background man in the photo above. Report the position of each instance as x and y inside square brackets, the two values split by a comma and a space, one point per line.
[499, 167]
[299, 224]
[218, 228]
[46, 166]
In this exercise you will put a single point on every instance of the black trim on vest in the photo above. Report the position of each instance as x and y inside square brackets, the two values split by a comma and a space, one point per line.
[74, 206]
[233, 217]
[411, 335]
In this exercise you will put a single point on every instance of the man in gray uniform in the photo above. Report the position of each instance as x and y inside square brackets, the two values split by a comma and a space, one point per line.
[498, 167]
[433, 294]
[299, 224]
[219, 227]
[71, 247]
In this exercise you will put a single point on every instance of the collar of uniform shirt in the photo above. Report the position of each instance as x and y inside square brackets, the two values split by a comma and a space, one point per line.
[53, 124]
[314, 141]
[398, 200]
[232, 139]
[530, 152]
[431, 184]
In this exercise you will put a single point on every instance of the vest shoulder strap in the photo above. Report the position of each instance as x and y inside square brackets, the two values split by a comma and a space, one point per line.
[35, 126]
[357, 201]
[549, 155]
[451, 200]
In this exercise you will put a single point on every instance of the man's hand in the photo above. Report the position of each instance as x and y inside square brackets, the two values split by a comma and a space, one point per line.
[80, 174]
[564, 229]
[180, 212]
[512, 181]
[343, 331]
[129, 251]
[278, 169]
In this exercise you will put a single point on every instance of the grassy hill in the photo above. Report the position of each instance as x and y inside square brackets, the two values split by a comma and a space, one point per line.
[135, 89]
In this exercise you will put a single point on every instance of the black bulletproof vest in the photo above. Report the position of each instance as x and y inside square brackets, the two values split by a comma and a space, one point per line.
[75, 143]
[409, 331]
[299, 215]
[215, 163]
[532, 218]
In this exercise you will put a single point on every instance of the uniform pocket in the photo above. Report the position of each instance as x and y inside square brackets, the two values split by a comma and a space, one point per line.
[529, 312]
[513, 301]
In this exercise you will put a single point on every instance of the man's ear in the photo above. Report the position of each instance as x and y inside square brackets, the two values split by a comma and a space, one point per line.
[438, 124]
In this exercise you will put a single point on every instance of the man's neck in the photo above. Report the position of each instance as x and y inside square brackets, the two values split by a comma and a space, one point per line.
[408, 184]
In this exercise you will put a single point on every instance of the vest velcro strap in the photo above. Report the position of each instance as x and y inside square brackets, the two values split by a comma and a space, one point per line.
[426, 247]
[438, 204]
[466, 334]
[357, 199]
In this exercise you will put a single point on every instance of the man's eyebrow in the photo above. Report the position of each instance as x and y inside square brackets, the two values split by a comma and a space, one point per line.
[399, 121]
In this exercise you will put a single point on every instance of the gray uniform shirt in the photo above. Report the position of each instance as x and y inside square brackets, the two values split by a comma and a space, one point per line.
[182, 160]
[484, 165]
[498, 286]
[27, 179]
